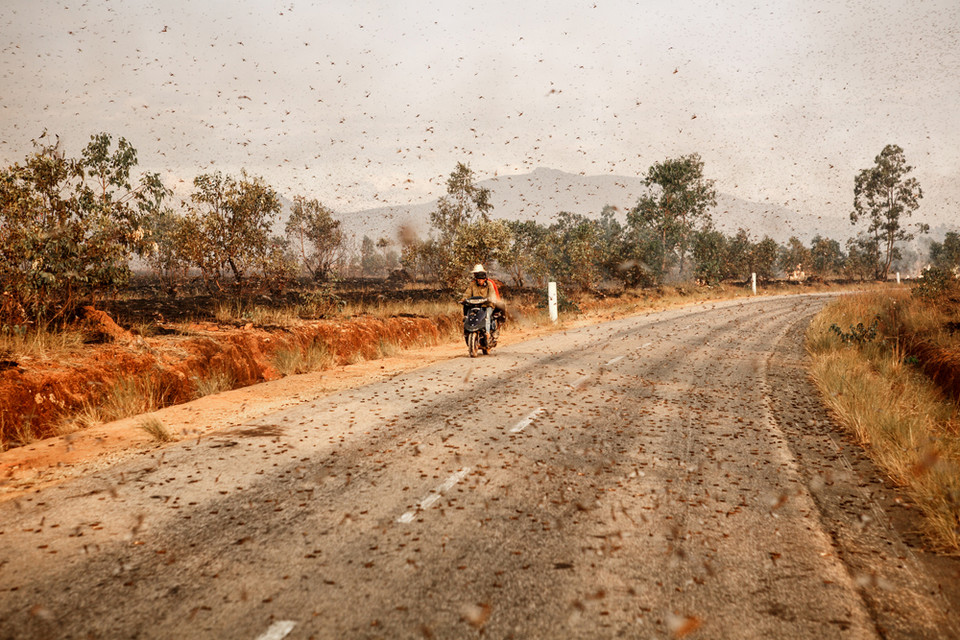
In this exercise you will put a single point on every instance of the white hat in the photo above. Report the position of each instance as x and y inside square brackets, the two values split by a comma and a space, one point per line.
[478, 268]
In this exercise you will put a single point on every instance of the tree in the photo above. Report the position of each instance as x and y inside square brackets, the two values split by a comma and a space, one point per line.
[483, 241]
[883, 196]
[794, 256]
[709, 251]
[391, 259]
[743, 257]
[68, 227]
[235, 216]
[279, 266]
[521, 258]
[676, 205]
[315, 236]
[826, 257]
[463, 204]
[575, 252]
[861, 259]
[372, 262]
[616, 254]
[738, 257]
[763, 258]
[426, 258]
[946, 254]
[167, 256]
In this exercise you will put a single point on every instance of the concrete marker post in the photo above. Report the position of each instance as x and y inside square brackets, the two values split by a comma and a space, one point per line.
[898, 277]
[753, 280]
[552, 300]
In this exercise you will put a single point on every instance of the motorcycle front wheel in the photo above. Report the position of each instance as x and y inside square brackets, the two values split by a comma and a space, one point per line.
[473, 343]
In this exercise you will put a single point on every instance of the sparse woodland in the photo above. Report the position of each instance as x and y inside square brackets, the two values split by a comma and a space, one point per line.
[72, 228]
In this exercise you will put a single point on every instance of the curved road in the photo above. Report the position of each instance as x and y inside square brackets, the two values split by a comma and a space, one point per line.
[669, 475]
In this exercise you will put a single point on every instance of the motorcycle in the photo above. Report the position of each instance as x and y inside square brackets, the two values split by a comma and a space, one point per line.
[474, 329]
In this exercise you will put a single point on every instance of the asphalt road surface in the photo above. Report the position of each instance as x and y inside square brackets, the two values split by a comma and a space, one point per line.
[664, 476]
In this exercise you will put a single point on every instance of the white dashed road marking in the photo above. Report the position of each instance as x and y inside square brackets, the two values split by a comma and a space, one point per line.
[434, 495]
[526, 422]
[278, 630]
[582, 380]
[615, 360]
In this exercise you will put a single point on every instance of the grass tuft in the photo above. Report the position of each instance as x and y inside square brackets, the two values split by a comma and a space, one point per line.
[125, 398]
[293, 360]
[215, 381]
[156, 429]
[15, 433]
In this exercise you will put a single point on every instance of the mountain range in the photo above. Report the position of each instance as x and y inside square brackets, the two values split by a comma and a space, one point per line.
[543, 193]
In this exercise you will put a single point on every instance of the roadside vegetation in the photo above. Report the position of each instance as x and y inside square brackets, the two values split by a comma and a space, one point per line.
[280, 299]
[888, 365]
[70, 228]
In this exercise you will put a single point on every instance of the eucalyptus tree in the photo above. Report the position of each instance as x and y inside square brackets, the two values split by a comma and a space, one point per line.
[709, 255]
[884, 195]
[575, 251]
[677, 203]
[524, 258]
[794, 256]
[826, 257]
[464, 204]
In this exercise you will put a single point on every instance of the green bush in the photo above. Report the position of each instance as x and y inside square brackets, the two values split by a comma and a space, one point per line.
[859, 334]
[68, 227]
[934, 283]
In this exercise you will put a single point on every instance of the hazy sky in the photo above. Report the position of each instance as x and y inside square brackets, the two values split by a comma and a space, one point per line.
[369, 103]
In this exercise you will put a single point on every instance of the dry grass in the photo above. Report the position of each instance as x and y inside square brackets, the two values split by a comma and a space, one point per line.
[125, 398]
[906, 423]
[16, 433]
[293, 360]
[41, 343]
[234, 312]
[228, 311]
[156, 429]
[214, 381]
[383, 309]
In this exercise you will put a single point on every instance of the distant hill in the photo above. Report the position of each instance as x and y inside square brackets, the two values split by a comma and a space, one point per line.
[542, 194]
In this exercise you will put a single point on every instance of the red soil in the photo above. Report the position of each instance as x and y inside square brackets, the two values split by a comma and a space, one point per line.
[36, 396]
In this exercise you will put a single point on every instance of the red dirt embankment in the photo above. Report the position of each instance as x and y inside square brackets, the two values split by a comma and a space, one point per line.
[37, 397]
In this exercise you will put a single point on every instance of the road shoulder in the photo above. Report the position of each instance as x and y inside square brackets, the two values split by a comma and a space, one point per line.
[910, 590]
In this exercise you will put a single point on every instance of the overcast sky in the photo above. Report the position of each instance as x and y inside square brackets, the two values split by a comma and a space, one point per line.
[368, 103]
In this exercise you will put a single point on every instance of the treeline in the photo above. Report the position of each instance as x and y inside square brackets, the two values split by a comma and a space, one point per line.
[70, 227]
[668, 235]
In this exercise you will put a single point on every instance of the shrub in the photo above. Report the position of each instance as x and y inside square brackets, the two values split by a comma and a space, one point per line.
[934, 283]
[859, 334]
[68, 227]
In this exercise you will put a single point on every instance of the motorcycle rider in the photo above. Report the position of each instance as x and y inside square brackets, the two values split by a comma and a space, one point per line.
[481, 287]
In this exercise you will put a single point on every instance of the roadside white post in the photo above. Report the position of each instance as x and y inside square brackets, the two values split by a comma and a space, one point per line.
[753, 281]
[552, 300]
[898, 277]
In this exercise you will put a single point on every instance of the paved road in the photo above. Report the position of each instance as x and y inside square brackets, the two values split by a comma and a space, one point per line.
[660, 476]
